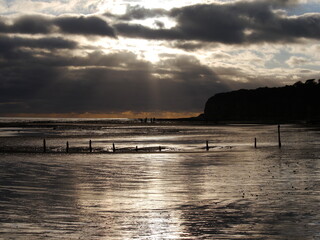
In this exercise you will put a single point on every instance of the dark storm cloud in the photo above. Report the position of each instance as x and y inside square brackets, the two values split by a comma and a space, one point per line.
[31, 25]
[47, 84]
[3, 26]
[209, 23]
[241, 22]
[290, 29]
[15, 47]
[232, 23]
[38, 24]
[84, 25]
[47, 43]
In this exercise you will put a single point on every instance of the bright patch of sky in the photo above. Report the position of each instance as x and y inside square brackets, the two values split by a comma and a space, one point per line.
[54, 7]
[311, 6]
[57, 7]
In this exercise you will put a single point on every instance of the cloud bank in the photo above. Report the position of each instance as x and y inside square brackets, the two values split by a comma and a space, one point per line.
[150, 60]
[234, 23]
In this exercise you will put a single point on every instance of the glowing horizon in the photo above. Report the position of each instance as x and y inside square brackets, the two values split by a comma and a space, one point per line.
[129, 115]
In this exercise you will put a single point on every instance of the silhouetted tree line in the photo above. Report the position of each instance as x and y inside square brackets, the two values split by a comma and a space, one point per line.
[297, 102]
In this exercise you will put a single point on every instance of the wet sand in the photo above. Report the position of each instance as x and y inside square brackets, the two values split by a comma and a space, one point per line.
[239, 193]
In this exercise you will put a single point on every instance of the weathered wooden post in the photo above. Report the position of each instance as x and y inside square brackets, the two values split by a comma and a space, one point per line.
[136, 148]
[207, 145]
[159, 148]
[255, 142]
[67, 148]
[279, 137]
[113, 147]
[90, 146]
[44, 145]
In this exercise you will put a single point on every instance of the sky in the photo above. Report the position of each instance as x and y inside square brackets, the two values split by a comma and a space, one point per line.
[139, 58]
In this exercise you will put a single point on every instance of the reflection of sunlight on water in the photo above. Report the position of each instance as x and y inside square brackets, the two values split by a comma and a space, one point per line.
[126, 136]
[242, 193]
[139, 198]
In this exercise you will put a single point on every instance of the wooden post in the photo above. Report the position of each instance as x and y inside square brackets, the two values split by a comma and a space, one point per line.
[279, 137]
[113, 147]
[44, 145]
[136, 148]
[207, 145]
[67, 148]
[255, 142]
[90, 146]
[159, 148]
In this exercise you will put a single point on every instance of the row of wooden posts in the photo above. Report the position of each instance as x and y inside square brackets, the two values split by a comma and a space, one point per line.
[90, 147]
[114, 147]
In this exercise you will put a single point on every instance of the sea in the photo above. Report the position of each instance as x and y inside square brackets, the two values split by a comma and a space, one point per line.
[132, 179]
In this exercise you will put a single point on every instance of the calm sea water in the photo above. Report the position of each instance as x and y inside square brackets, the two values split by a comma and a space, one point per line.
[233, 191]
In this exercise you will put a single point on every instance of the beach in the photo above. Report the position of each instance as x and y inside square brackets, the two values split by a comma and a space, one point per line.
[231, 191]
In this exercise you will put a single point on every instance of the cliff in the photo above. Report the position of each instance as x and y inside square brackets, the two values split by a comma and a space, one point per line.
[298, 102]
